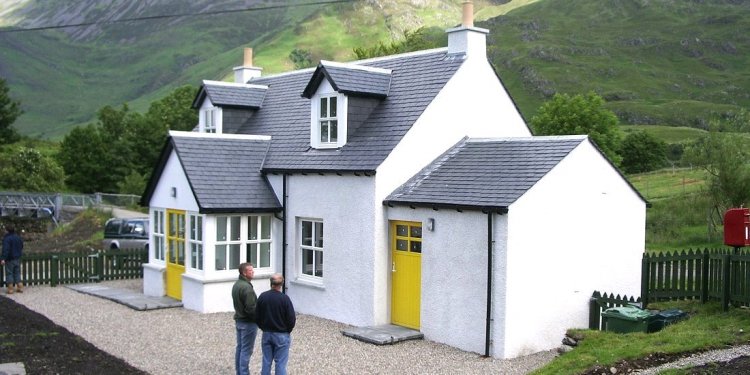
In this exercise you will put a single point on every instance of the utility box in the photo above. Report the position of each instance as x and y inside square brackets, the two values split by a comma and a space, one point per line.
[737, 227]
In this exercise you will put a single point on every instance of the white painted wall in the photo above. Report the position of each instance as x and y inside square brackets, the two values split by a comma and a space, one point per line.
[580, 229]
[345, 205]
[454, 275]
[210, 296]
[173, 176]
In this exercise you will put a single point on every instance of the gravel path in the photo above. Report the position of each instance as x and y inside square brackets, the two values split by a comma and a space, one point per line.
[180, 341]
[720, 355]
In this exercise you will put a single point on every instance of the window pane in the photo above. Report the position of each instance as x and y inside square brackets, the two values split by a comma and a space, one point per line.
[234, 232]
[252, 228]
[334, 130]
[307, 262]
[333, 106]
[221, 257]
[221, 228]
[234, 257]
[402, 245]
[181, 253]
[416, 246]
[199, 252]
[307, 233]
[416, 232]
[402, 230]
[324, 131]
[319, 263]
[192, 227]
[252, 253]
[199, 229]
[265, 255]
[318, 234]
[323, 107]
[172, 225]
[265, 227]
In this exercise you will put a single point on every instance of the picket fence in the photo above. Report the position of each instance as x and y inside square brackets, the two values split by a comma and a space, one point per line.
[55, 269]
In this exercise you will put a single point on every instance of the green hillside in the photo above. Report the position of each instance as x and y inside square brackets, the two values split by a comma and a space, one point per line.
[674, 63]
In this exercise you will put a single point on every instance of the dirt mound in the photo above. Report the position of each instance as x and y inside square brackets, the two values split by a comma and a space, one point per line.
[82, 233]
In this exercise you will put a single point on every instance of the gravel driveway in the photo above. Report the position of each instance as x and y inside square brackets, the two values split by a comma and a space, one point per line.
[180, 341]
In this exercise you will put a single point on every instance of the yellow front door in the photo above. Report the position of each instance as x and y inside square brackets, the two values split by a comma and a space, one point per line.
[175, 252]
[406, 273]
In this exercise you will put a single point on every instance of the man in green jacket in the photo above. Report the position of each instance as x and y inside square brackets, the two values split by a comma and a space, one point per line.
[244, 298]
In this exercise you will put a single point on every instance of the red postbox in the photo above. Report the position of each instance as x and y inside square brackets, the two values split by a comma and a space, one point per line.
[737, 227]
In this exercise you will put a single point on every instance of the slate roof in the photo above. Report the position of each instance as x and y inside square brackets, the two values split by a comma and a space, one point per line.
[487, 174]
[416, 78]
[223, 94]
[350, 79]
[223, 172]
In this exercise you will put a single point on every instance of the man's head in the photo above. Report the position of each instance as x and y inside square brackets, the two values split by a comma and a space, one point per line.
[277, 281]
[10, 229]
[246, 270]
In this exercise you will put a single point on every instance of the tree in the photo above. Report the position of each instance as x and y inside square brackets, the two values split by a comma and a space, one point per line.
[26, 169]
[9, 111]
[174, 111]
[580, 114]
[301, 58]
[419, 39]
[641, 152]
[84, 157]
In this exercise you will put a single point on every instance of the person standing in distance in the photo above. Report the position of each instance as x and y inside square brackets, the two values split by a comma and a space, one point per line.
[11, 258]
[244, 299]
[275, 316]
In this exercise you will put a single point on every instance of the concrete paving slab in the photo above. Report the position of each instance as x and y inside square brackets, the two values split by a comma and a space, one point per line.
[134, 300]
[386, 334]
[14, 368]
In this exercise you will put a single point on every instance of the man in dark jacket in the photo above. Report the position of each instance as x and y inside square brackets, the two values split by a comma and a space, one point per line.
[275, 316]
[12, 252]
[244, 298]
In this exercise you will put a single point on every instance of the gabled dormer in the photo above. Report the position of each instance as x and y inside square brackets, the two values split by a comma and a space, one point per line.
[341, 96]
[223, 106]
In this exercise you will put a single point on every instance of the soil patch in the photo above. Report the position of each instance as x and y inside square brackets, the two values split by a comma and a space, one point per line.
[47, 348]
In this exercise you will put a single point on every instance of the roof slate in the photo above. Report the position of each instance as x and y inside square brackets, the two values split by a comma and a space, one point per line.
[224, 173]
[486, 173]
[415, 81]
[350, 79]
[226, 94]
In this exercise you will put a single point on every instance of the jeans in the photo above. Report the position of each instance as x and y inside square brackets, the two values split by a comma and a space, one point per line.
[275, 348]
[12, 272]
[246, 333]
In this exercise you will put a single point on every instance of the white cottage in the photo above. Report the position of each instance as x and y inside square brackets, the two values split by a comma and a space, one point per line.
[405, 189]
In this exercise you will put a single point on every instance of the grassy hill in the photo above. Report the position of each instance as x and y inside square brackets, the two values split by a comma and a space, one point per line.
[675, 63]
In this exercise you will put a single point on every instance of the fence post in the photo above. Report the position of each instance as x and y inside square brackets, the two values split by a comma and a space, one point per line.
[725, 281]
[644, 280]
[704, 277]
[54, 271]
[594, 314]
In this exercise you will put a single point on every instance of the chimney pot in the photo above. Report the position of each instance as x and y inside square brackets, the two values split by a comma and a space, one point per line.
[248, 57]
[247, 71]
[468, 14]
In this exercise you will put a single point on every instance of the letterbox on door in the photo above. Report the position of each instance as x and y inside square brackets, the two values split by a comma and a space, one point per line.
[737, 227]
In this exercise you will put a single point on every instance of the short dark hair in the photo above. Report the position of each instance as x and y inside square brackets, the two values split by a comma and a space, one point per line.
[277, 280]
[243, 267]
[10, 229]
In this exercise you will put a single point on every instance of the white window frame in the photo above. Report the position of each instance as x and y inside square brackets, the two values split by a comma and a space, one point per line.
[210, 120]
[228, 243]
[158, 236]
[244, 243]
[342, 105]
[315, 247]
[260, 242]
[195, 242]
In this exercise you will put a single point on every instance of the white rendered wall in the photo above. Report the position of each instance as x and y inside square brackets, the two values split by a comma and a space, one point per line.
[345, 205]
[580, 228]
[453, 307]
[211, 296]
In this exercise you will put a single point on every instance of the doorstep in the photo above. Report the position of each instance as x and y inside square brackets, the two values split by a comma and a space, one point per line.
[134, 300]
[386, 334]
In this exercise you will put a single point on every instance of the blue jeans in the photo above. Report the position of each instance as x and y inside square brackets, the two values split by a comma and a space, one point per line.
[12, 272]
[275, 348]
[246, 333]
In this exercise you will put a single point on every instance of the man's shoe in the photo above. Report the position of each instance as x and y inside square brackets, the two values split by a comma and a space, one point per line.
[19, 288]
[10, 290]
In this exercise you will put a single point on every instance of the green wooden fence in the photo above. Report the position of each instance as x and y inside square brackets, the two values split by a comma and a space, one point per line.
[718, 274]
[55, 269]
[602, 301]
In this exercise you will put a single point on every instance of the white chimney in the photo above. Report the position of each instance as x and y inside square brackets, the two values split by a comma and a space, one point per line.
[466, 38]
[244, 73]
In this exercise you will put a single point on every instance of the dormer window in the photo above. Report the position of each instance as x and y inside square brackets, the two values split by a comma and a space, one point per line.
[328, 121]
[210, 120]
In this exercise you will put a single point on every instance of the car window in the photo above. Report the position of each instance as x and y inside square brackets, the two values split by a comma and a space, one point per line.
[112, 227]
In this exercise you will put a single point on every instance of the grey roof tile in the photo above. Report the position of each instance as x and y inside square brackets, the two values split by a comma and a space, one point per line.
[224, 173]
[350, 79]
[485, 173]
[231, 94]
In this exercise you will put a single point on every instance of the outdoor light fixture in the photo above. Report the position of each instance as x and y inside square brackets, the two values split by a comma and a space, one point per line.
[431, 224]
[173, 193]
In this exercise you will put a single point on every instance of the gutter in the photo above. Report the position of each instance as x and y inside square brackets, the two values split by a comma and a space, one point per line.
[490, 243]
[283, 229]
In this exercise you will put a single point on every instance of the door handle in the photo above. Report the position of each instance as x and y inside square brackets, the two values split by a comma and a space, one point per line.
[393, 268]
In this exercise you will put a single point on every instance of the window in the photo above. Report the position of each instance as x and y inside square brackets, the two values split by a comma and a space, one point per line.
[228, 242]
[158, 234]
[328, 119]
[210, 120]
[259, 241]
[196, 242]
[312, 247]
